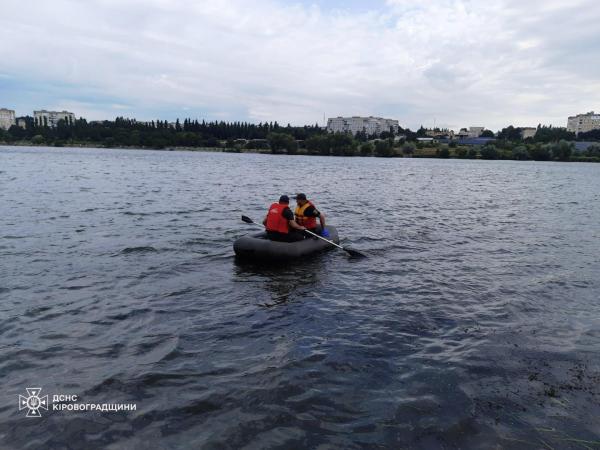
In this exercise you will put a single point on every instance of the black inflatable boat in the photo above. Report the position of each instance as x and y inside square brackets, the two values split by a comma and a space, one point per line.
[257, 247]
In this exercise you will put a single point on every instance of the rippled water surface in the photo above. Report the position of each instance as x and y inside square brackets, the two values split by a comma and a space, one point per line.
[473, 323]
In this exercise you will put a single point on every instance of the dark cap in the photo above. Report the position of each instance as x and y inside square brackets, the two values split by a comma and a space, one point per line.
[300, 197]
[284, 199]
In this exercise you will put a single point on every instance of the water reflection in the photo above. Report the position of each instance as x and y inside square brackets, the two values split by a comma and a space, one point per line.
[282, 282]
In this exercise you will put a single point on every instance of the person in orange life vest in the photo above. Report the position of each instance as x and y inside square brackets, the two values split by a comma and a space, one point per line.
[306, 215]
[280, 223]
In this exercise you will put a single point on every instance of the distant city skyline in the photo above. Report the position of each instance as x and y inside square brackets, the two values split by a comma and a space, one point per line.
[348, 124]
[444, 63]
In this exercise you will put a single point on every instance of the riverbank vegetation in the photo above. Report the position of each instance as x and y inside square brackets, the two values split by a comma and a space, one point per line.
[549, 143]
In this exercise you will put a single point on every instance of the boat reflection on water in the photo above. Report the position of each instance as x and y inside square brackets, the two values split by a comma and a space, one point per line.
[277, 283]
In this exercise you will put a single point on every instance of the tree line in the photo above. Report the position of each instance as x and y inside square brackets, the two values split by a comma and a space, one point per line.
[345, 145]
[548, 143]
[123, 132]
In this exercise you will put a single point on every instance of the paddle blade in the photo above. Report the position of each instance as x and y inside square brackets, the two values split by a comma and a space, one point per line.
[247, 219]
[354, 253]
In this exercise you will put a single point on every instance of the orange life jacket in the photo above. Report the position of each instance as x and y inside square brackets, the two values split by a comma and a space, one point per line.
[275, 219]
[301, 219]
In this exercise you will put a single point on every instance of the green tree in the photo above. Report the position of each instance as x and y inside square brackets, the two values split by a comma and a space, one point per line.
[159, 142]
[342, 144]
[361, 136]
[443, 152]
[510, 133]
[211, 142]
[317, 145]
[384, 149]
[593, 151]
[257, 144]
[409, 148]
[552, 134]
[367, 149]
[520, 152]
[4, 136]
[592, 135]
[539, 152]
[38, 139]
[562, 150]
[489, 152]
[461, 152]
[282, 143]
[109, 142]
[487, 134]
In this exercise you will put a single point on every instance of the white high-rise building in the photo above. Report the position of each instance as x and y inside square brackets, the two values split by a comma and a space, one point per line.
[583, 123]
[370, 125]
[528, 132]
[7, 118]
[50, 119]
[475, 132]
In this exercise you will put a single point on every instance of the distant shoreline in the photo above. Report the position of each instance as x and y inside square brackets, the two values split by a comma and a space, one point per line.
[419, 153]
[183, 149]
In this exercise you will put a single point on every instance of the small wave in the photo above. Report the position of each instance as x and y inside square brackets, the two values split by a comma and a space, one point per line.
[160, 213]
[35, 311]
[143, 249]
[197, 241]
[129, 314]
[131, 213]
[76, 287]
[178, 293]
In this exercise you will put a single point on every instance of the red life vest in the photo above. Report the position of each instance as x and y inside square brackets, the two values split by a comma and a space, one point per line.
[301, 219]
[275, 219]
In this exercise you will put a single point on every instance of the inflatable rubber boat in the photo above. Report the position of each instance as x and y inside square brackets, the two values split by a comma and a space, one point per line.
[259, 248]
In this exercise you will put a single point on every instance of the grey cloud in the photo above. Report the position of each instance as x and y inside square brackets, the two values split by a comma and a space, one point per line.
[457, 60]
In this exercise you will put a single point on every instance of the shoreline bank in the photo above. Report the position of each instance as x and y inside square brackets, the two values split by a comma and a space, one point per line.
[420, 153]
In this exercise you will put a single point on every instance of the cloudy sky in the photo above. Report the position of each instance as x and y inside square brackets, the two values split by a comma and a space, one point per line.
[454, 63]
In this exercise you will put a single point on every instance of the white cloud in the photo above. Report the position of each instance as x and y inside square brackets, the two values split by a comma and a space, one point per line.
[459, 62]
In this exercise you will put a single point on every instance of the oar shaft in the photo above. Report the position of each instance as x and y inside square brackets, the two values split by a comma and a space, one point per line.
[326, 240]
[257, 224]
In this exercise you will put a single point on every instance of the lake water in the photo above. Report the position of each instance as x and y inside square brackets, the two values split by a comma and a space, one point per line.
[473, 323]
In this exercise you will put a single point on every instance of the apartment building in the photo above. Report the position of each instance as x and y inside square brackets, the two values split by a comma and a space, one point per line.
[50, 118]
[475, 132]
[370, 125]
[7, 118]
[583, 123]
[528, 132]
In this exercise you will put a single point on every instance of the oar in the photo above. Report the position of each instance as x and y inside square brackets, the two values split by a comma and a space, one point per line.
[350, 251]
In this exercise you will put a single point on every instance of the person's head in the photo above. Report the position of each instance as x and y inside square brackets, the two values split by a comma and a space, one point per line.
[301, 199]
[284, 199]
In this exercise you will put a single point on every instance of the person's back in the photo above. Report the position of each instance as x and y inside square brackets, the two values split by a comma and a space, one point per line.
[280, 224]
